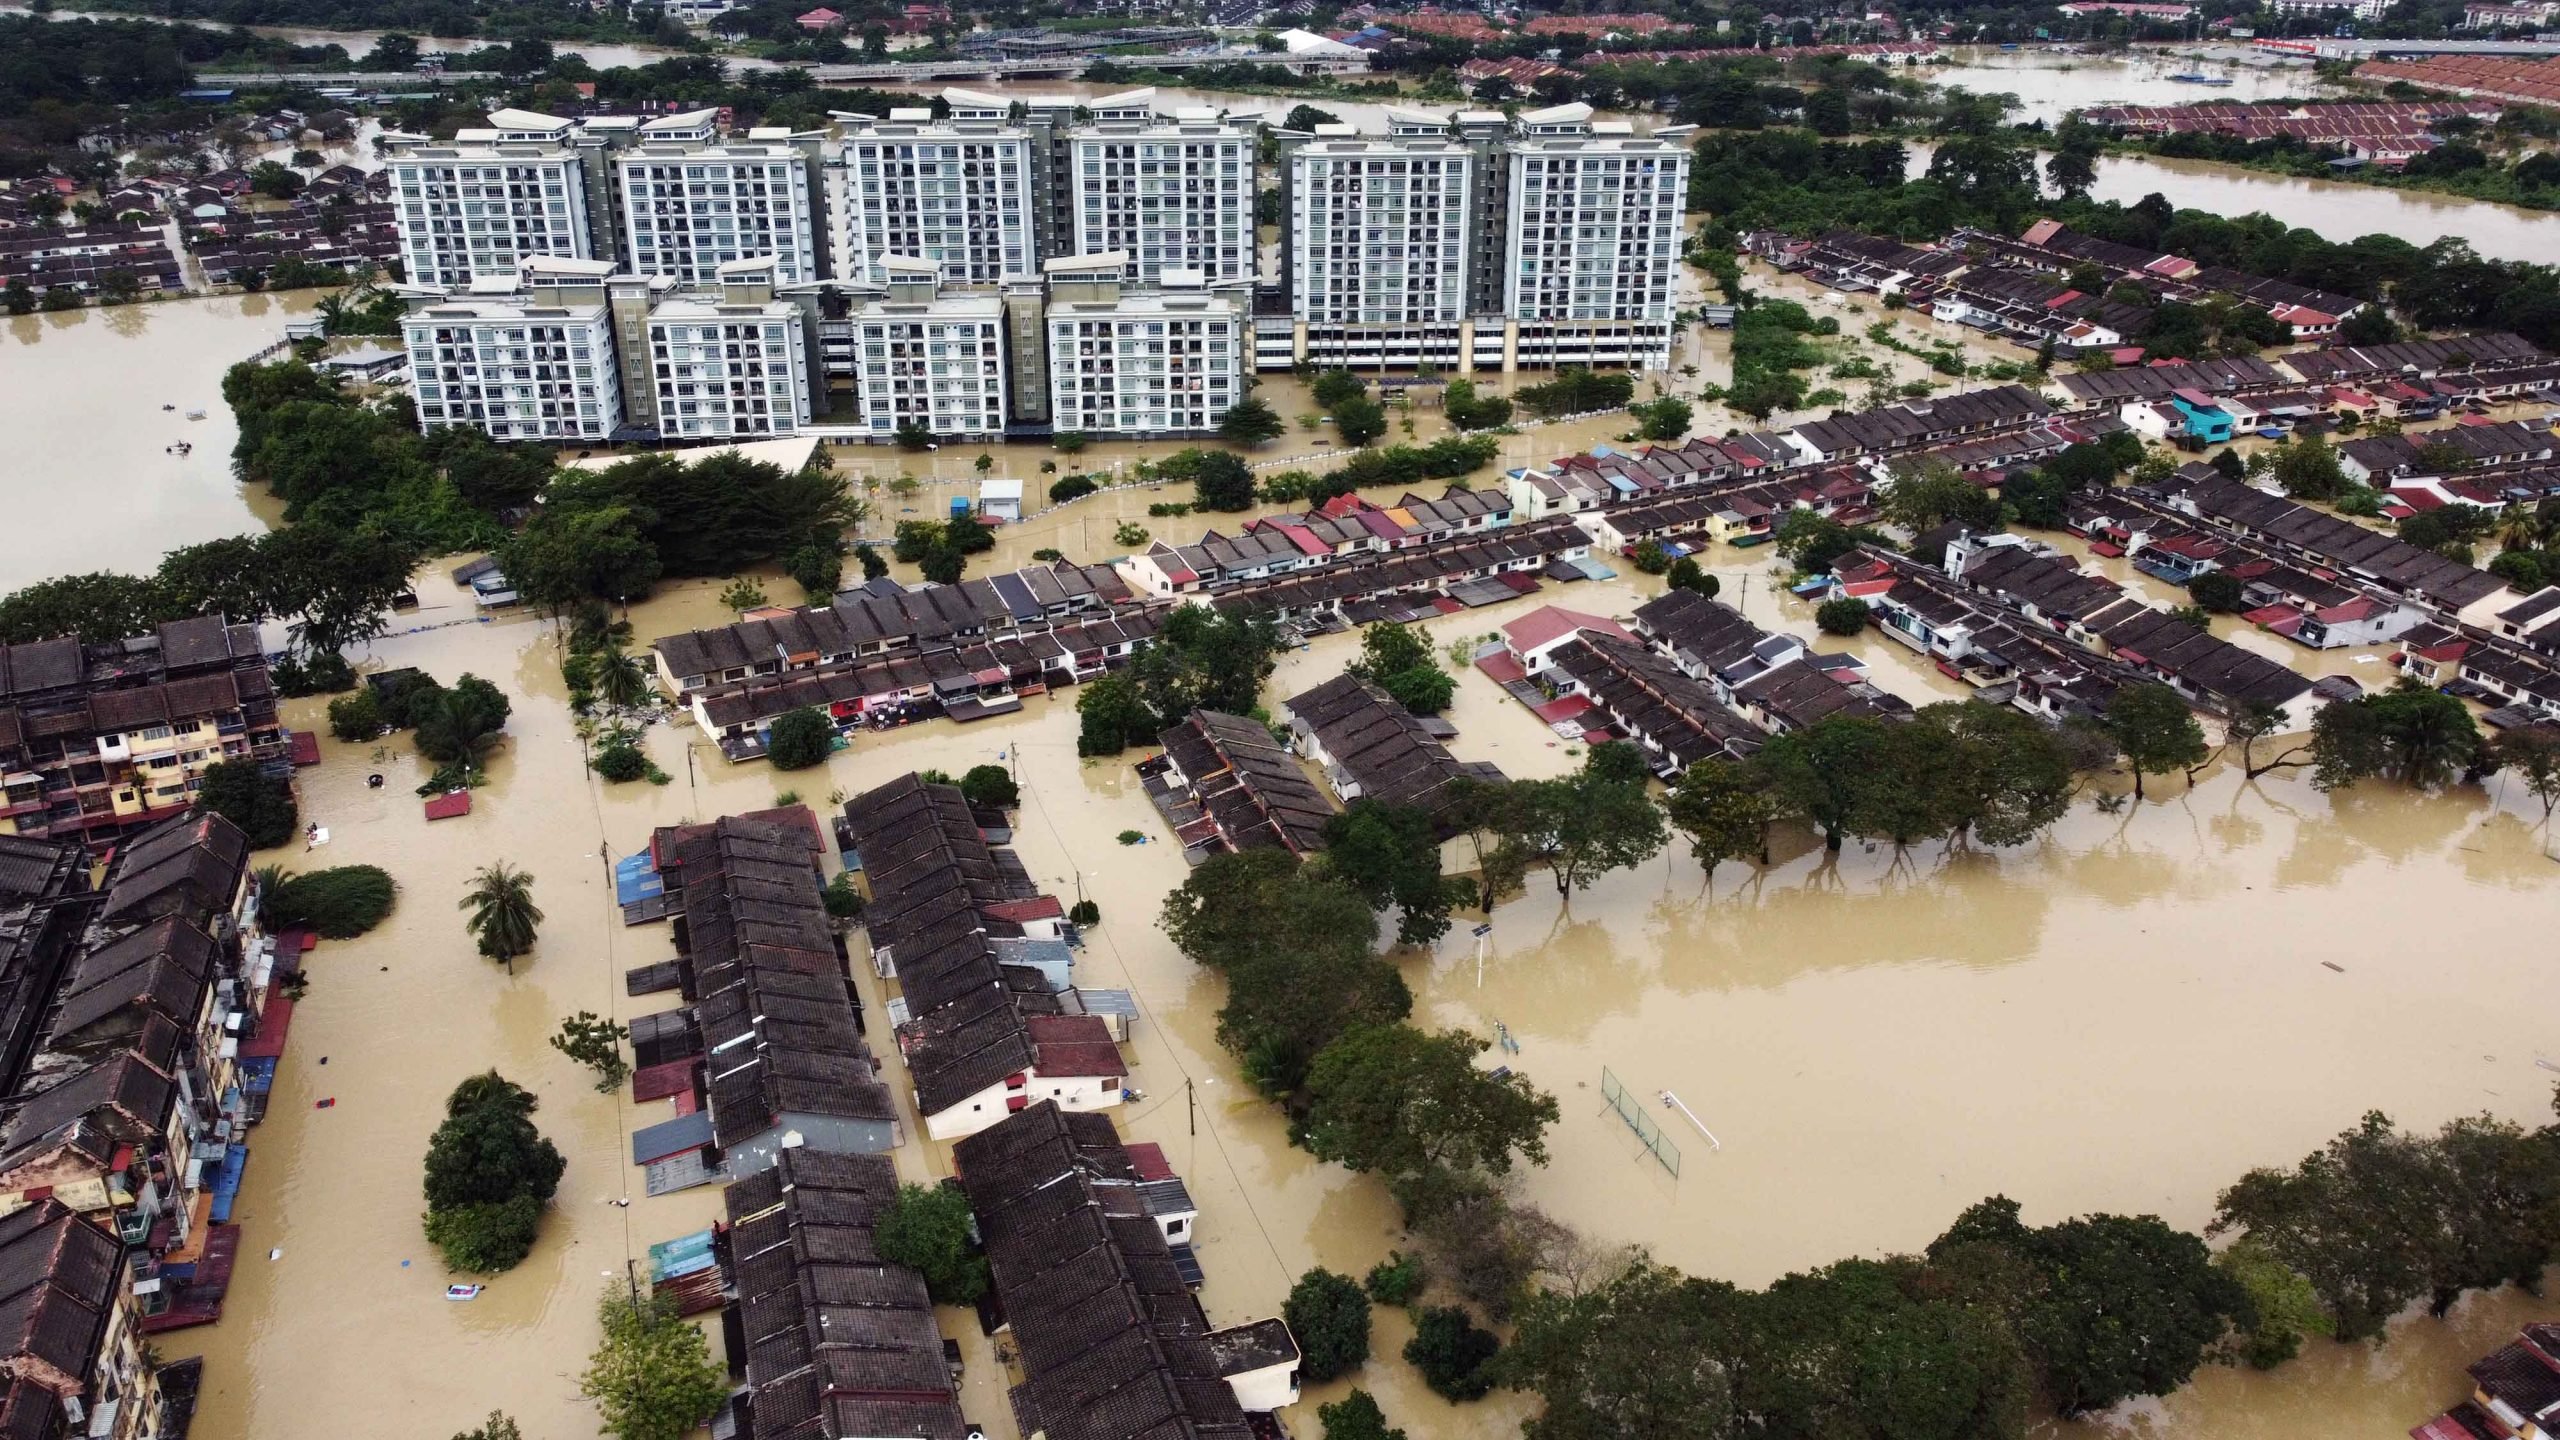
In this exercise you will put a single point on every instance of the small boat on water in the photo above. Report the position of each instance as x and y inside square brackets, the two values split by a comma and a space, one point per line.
[463, 1292]
[2191, 78]
[195, 414]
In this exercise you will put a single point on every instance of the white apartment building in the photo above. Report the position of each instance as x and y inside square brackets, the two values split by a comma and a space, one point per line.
[1169, 192]
[957, 192]
[691, 205]
[1378, 242]
[733, 364]
[1161, 363]
[525, 359]
[1593, 239]
[928, 359]
[471, 209]
[2360, 9]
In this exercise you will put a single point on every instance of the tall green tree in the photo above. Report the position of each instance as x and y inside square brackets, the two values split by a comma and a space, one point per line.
[1820, 772]
[653, 1377]
[1594, 821]
[1643, 1354]
[489, 1173]
[1414, 1109]
[2010, 775]
[1251, 421]
[2119, 1305]
[2154, 728]
[1721, 807]
[2409, 733]
[503, 917]
[1328, 1314]
[1390, 855]
[927, 1228]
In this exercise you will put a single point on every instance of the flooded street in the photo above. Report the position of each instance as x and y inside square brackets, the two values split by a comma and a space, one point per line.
[1876, 1041]
[95, 478]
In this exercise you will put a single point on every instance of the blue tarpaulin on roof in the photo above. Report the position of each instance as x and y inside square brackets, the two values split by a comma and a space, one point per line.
[226, 1182]
[636, 878]
[258, 1074]
[683, 1255]
[1809, 585]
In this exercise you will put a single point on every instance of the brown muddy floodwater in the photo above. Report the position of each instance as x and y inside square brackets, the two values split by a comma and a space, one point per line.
[2125, 1016]
[87, 480]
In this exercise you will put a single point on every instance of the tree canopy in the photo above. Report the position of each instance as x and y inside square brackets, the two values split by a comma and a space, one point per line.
[1415, 1109]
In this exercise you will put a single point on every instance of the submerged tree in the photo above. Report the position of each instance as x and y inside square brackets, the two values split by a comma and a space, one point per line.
[1414, 1109]
[653, 1377]
[503, 917]
[1722, 808]
[2154, 728]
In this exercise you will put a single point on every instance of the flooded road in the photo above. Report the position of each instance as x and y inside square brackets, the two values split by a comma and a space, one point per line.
[357, 43]
[2124, 1016]
[2050, 83]
[95, 478]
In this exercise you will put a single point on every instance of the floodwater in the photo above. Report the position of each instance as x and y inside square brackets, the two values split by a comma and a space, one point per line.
[358, 43]
[2050, 83]
[99, 378]
[2125, 1016]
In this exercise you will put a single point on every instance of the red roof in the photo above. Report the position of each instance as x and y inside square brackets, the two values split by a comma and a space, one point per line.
[449, 804]
[1038, 907]
[1563, 708]
[2363, 607]
[657, 1082]
[1550, 623]
[1147, 1158]
[1501, 668]
[306, 746]
[273, 1024]
[1447, 606]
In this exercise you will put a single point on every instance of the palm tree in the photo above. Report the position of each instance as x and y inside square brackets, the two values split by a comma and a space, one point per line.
[619, 678]
[503, 915]
[2519, 527]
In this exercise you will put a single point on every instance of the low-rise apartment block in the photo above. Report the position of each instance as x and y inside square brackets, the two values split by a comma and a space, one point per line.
[101, 738]
[472, 208]
[531, 360]
[573, 351]
[1165, 192]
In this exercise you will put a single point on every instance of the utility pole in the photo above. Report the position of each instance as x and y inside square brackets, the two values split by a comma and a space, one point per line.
[1192, 1101]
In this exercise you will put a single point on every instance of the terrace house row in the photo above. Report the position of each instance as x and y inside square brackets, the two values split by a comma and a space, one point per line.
[2514, 674]
[779, 1061]
[100, 739]
[2037, 670]
[1224, 784]
[1343, 527]
[1429, 571]
[136, 1100]
[2320, 610]
[1776, 682]
[828, 1338]
[2149, 642]
[1111, 1340]
[1371, 747]
[963, 682]
[882, 618]
[2387, 459]
[984, 1020]
[2394, 565]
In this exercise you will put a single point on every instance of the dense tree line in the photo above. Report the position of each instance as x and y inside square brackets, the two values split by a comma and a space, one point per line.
[612, 534]
[62, 78]
[489, 1175]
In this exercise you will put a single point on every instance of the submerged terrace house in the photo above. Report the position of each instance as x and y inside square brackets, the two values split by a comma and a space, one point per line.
[1369, 746]
[1111, 1339]
[826, 1338]
[1225, 784]
[782, 1063]
[984, 1024]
